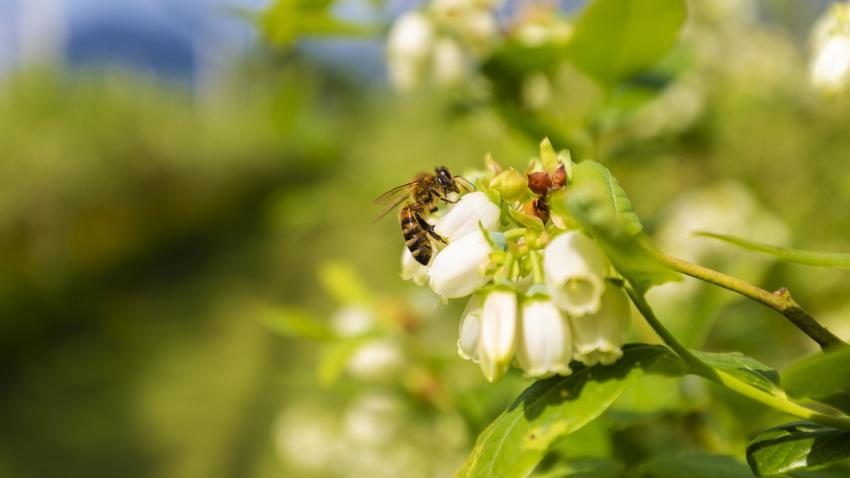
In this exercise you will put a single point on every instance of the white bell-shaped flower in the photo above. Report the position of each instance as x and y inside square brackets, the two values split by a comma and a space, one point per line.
[498, 339]
[409, 45]
[597, 338]
[574, 268]
[545, 341]
[460, 268]
[469, 334]
[411, 269]
[464, 217]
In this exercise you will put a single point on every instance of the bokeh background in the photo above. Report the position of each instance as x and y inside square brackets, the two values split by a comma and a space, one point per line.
[191, 284]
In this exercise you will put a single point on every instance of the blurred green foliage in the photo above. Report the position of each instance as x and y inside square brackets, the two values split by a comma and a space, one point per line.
[152, 242]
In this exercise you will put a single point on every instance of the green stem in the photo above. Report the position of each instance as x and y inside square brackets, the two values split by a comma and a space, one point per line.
[536, 266]
[515, 233]
[777, 401]
[780, 301]
[504, 272]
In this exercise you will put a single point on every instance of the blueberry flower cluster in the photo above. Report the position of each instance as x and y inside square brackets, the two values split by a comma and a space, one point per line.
[540, 292]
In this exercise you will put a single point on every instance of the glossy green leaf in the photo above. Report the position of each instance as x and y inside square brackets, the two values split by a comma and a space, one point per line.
[615, 39]
[823, 377]
[809, 258]
[593, 179]
[294, 323]
[694, 465]
[797, 446]
[596, 201]
[517, 440]
[746, 369]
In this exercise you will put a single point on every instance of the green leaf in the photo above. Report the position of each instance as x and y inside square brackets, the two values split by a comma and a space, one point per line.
[809, 258]
[823, 377]
[615, 39]
[797, 446]
[595, 180]
[694, 465]
[517, 440]
[286, 21]
[746, 369]
[596, 201]
[342, 283]
[294, 323]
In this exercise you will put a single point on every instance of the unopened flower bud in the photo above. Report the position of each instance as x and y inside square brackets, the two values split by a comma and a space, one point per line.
[545, 341]
[469, 334]
[509, 183]
[408, 48]
[598, 337]
[559, 177]
[465, 216]
[498, 333]
[574, 269]
[539, 182]
[449, 64]
[460, 268]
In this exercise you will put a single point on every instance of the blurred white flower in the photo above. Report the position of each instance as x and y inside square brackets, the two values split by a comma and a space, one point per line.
[305, 438]
[465, 216]
[459, 269]
[411, 269]
[598, 337]
[376, 360]
[498, 333]
[545, 340]
[574, 268]
[372, 419]
[830, 66]
[469, 334]
[449, 64]
[409, 46]
[352, 320]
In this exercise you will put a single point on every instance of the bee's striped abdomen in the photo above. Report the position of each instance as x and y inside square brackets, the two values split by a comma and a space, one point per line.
[415, 238]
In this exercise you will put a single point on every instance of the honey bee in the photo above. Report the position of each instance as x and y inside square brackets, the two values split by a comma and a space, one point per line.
[421, 197]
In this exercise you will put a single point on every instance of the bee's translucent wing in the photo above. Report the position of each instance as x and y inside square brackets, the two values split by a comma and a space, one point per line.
[393, 194]
[390, 208]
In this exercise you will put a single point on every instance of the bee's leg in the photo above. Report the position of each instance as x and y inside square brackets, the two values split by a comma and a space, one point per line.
[464, 183]
[429, 228]
[441, 197]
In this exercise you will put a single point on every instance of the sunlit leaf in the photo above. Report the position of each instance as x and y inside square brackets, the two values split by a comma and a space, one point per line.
[809, 258]
[294, 323]
[746, 369]
[595, 199]
[286, 21]
[694, 465]
[615, 39]
[823, 377]
[517, 440]
[342, 282]
[797, 446]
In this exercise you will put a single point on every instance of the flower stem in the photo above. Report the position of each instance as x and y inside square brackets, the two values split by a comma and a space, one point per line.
[536, 267]
[778, 401]
[780, 301]
[515, 233]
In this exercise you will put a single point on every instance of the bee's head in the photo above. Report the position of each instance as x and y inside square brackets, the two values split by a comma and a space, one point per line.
[445, 180]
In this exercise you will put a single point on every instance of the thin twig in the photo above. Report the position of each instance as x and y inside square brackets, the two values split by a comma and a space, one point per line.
[780, 301]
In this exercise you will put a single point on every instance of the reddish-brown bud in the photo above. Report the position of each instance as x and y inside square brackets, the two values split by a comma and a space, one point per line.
[559, 177]
[537, 207]
[539, 182]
